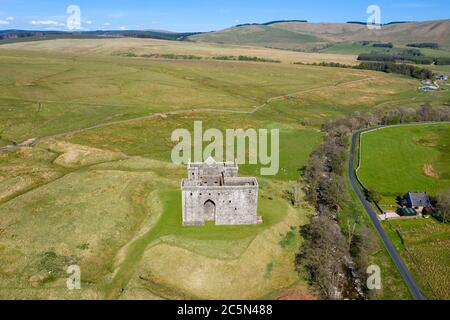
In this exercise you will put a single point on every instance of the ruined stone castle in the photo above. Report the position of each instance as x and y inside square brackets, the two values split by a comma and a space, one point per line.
[214, 192]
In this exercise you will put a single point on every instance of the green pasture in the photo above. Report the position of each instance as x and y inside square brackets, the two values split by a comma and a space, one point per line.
[425, 246]
[406, 159]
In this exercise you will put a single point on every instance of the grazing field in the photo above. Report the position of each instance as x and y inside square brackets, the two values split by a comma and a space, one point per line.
[107, 47]
[134, 205]
[406, 159]
[56, 86]
[105, 195]
[425, 246]
[264, 36]
[413, 158]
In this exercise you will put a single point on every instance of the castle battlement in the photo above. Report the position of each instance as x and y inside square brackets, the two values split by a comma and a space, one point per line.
[213, 191]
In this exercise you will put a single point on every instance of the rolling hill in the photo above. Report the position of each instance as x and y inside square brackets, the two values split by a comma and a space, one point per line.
[259, 35]
[305, 35]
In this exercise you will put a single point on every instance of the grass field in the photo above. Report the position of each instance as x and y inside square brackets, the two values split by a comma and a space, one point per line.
[108, 47]
[60, 85]
[264, 36]
[108, 198]
[403, 159]
[425, 246]
[413, 158]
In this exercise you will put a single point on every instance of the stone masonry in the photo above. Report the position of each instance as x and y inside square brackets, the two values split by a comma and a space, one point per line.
[214, 192]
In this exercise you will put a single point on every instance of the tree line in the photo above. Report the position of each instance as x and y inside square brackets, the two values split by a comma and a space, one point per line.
[404, 69]
[408, 55]
[429, 45]
[392, 67]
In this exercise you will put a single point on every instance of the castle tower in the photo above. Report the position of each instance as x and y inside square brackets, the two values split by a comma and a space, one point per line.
[214, 192]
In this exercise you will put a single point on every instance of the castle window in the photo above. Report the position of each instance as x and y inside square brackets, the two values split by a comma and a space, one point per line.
[210, 194]
[191, 194]
[229, 201]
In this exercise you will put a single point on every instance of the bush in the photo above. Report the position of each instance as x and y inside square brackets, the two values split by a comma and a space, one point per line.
[443, 206]
[383, 45]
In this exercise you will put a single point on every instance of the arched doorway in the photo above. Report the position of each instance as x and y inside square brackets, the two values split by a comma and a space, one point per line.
[209, 210]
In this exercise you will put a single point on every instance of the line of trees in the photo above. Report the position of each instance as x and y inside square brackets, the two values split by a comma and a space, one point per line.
[404, 69]
[429, 45]
[443, 206]
[391, 67]
[173, 56]
[383, 45]
[408, 55]
[389, 56]
[324, 253]
[331, 248]
[246, 58]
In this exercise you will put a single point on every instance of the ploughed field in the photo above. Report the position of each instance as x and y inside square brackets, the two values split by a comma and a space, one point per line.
[107, 198]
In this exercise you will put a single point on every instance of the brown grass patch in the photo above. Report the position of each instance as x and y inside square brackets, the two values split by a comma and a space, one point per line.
[295, 294]
[428, 170]
[73, 155]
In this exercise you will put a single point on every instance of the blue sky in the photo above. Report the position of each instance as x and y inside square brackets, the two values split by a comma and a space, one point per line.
[205, 15]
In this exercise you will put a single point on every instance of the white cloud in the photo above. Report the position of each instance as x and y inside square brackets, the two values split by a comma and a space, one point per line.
[89, 22]
[10, 19]
[107, 24]
[123, 28]
[47, 23]
[4, 23]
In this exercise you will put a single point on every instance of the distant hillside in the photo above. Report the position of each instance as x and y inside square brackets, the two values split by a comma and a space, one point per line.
[259, 35]
[23, 35]
[303, 35]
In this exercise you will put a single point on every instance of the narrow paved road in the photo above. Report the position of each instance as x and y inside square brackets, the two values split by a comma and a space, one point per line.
[415, 291]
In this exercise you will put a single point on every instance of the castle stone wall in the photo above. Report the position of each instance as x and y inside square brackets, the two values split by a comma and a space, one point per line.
[219, 198]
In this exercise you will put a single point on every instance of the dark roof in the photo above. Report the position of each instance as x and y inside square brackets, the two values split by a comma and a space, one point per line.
[418, 199]
[407, 212]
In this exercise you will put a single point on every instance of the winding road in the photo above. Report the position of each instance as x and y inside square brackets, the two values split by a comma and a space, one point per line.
[414, 289]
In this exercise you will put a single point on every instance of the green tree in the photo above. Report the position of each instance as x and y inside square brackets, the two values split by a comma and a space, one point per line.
[443, 206]
[373, 196]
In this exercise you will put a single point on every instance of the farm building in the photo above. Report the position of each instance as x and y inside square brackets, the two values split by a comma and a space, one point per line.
[441, 77]
[407, 212]
[428, 88]
[417, 200]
